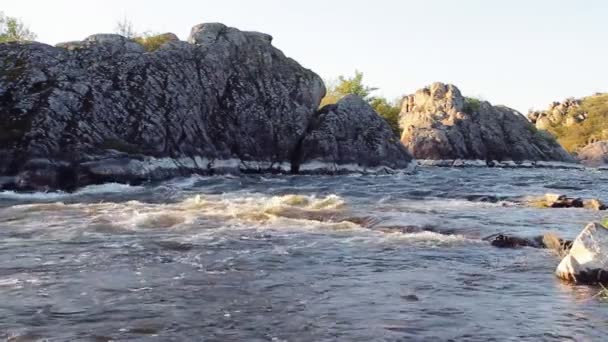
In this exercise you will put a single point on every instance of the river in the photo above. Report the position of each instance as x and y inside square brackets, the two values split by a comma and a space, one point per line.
[296, 258]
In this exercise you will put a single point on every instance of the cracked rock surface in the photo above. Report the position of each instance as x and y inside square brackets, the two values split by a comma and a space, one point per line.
[105, 109]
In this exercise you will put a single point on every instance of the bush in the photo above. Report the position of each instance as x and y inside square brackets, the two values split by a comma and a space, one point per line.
[151, 42]
[471, 105]
[354, 85]
[390, 112]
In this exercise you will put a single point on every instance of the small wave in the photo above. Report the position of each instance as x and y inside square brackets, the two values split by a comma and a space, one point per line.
[55, 195]
[212, 210]
[108, 188]
[431, 204]
[35, 196]
[428, 238]
[19, 281]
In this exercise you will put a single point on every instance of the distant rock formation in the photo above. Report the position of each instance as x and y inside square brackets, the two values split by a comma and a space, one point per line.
[440, 124]
[558, 113]
[106, 109]
[595, 154]
[575, 122]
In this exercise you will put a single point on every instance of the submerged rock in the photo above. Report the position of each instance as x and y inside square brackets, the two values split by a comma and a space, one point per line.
[547, 241]
[587, 260]
[440, 124]
[106, 109]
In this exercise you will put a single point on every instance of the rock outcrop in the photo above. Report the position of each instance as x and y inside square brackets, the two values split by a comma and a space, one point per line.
[106, 109]
[371, 142]
[558, 113]
[575, 123]
[595, 154]
[440, 124]
[587, 260]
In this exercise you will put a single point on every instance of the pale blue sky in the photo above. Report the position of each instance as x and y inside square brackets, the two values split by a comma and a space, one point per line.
[519, 53]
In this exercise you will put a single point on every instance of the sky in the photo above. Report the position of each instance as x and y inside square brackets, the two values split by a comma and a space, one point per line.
[523, 54]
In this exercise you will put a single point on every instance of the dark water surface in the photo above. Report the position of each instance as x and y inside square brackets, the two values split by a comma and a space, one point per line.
[307, 258]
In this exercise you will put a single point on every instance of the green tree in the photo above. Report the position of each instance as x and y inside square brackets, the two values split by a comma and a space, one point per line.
[346, 86]
[471, 105]
[354, 85]
[389, 111]
[13, 30]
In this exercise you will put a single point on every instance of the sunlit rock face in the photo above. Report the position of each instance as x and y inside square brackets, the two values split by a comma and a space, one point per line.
[587, 261]
[440, 124]
[107, 109]
[558, 113]
[595, 154]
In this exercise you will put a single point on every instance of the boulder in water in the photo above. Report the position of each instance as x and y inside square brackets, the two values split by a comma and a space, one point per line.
[594, 204]
[548, 241]
[563, 201]
[587, 261]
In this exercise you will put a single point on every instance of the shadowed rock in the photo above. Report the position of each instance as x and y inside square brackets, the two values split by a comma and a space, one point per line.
[350, 132]
[548, 241]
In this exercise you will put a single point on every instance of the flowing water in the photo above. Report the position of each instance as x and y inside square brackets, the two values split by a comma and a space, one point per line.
[296, 258]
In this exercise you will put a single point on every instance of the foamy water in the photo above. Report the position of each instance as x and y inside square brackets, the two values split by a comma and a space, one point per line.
[295, 258]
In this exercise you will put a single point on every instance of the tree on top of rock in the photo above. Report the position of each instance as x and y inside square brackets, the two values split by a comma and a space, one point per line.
[13, 30]
[124, 27]
[350, 85]
[354, 85]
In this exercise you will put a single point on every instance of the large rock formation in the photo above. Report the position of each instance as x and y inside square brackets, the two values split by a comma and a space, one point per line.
[372, 143]
[587, 260]
[109, 109]
[595, 154]
[440, 124]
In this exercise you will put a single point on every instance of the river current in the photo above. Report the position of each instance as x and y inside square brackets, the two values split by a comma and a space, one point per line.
[297, 258]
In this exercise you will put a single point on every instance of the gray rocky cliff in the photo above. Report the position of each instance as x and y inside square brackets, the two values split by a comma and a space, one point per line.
[440, 124]
[351, 133]
[105, 109]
